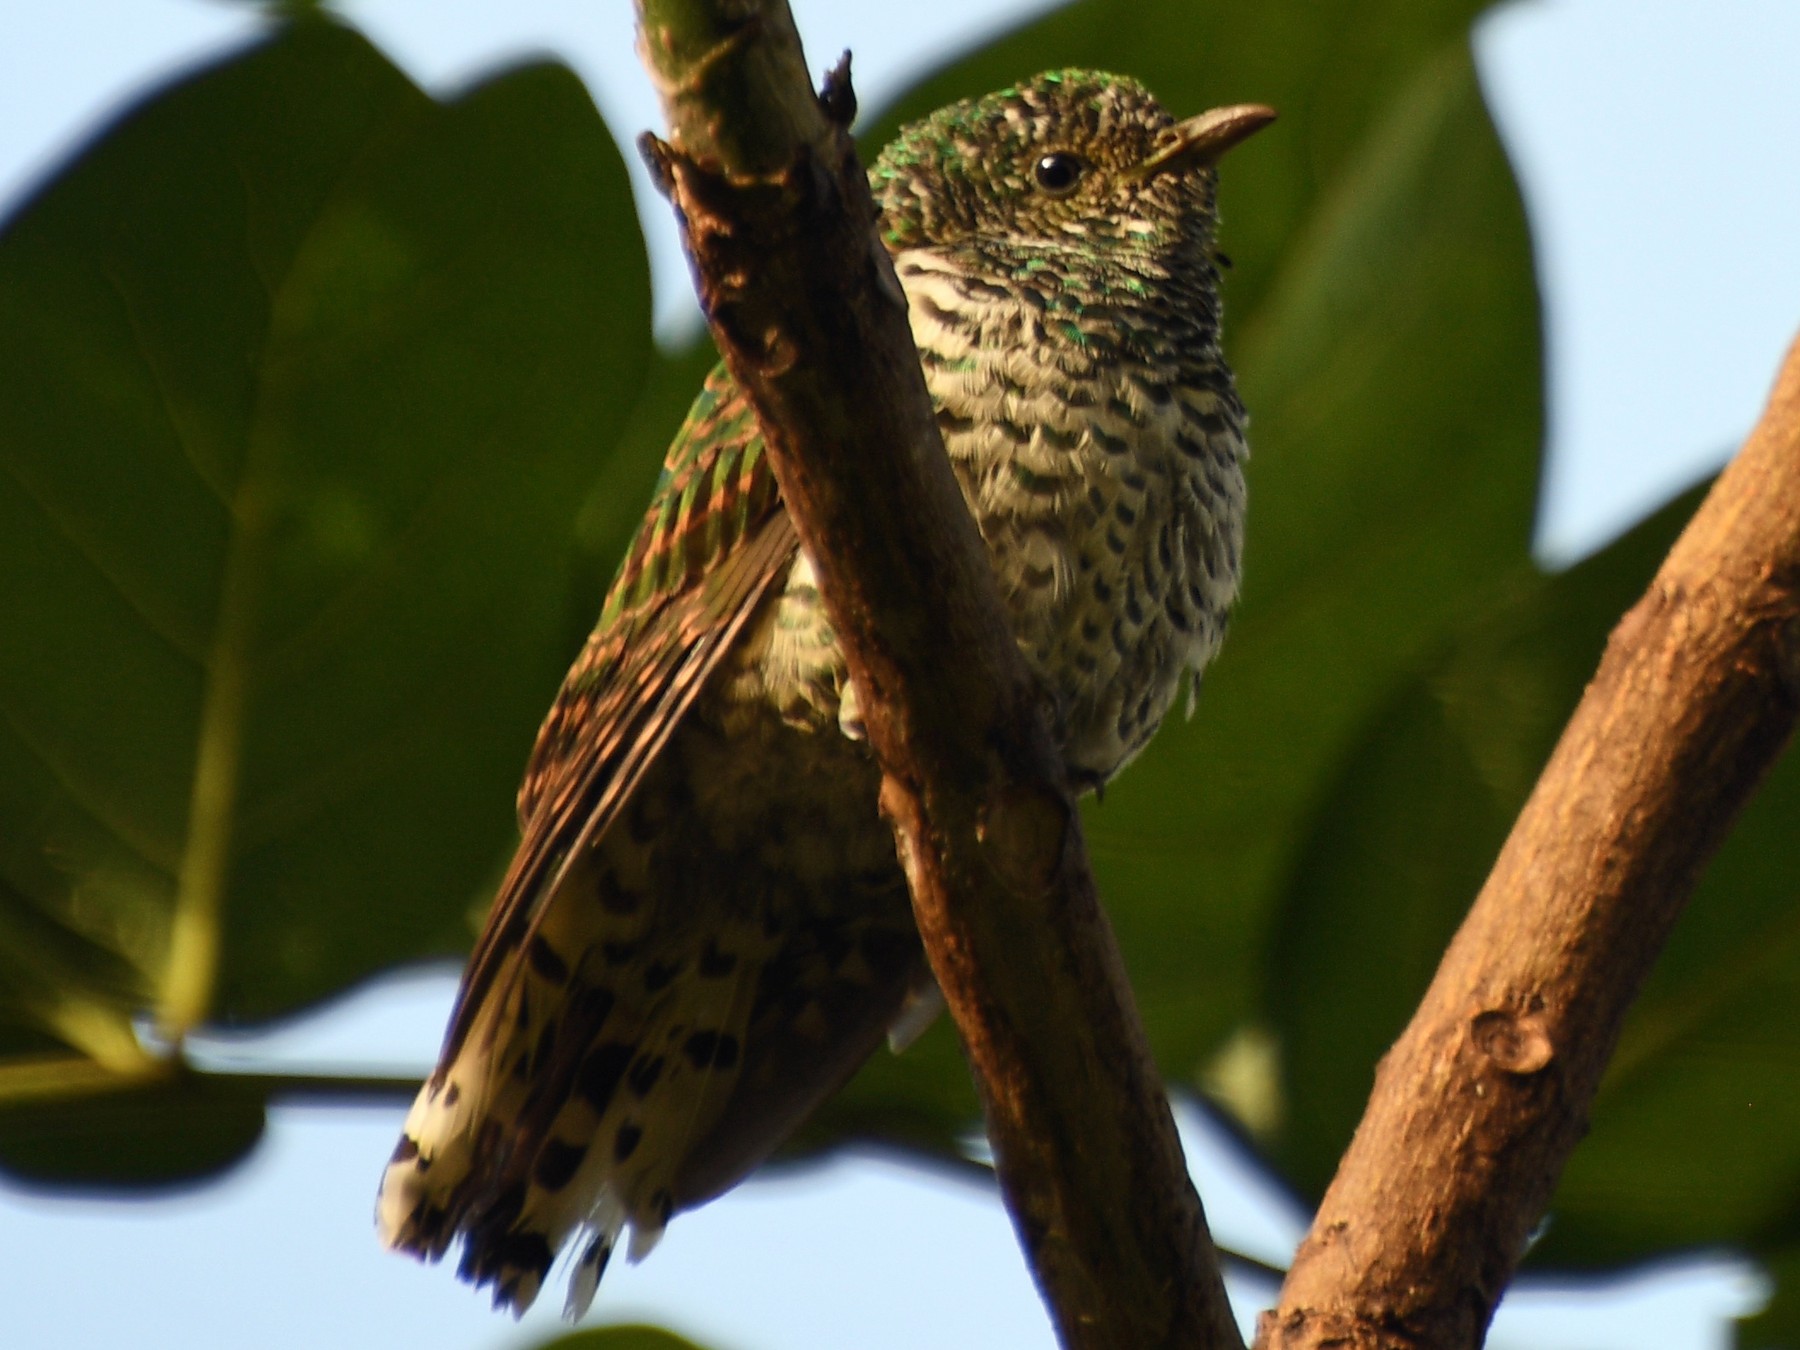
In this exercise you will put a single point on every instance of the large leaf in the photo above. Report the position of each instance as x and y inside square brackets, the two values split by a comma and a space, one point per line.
[1382, 317]
[1695, 1134]
[1403, 834]
[140, 1137]
[1777, 1327]
[619, 1338]
[1385, 326]
[1695, 1139]
[299, 391]
[302, 375]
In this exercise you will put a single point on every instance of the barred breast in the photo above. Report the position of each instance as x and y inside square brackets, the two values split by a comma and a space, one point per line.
[1101, 451]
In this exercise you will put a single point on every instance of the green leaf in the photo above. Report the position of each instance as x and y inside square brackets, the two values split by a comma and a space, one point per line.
[1776, 1327]
[619, 1338]
[298, 398]
[150, 1137]
[1695, 1133]
[1695, 1139]
[1382, 317]
[1402, 836]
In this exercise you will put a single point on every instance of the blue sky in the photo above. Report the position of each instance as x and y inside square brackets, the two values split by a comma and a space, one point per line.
[1642, 132]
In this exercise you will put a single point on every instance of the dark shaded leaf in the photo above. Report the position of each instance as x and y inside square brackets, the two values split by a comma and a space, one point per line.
[1695, 1134]
[1776, 1327]
[1403, 836]
[298, 397]
[1695, 1139]
[147, 1138]
[620, 1338]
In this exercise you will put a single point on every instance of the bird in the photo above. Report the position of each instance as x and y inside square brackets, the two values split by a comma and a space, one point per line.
[705, 930]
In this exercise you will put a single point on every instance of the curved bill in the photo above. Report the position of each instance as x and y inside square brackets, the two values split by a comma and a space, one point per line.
[1201, 141]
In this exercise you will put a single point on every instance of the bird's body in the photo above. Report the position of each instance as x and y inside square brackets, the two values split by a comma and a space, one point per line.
[706, 930]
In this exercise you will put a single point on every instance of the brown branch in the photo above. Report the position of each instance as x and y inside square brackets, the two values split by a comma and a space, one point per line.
[810, 317]
[325, 1088]
[1477, 1106]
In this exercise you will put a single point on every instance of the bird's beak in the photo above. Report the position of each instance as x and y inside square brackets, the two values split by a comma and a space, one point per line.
[1202, 141]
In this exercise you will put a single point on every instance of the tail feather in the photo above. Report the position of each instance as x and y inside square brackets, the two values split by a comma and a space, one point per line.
[429, 1167]
[572, 1101]
[714, 965]
[612, 1148]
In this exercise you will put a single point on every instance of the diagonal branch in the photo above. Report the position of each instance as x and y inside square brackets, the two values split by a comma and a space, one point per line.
[809, 316]
[1478, 1105]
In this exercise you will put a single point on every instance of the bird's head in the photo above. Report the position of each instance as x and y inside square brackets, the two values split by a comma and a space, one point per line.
[1070, 157]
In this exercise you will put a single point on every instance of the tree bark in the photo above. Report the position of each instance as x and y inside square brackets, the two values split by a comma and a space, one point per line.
[1478, 1105]
[809, 316]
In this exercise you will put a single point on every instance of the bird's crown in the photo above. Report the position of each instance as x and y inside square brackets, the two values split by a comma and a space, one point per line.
[1067, 156]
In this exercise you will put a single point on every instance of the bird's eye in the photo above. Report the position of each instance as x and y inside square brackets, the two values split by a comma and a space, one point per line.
[1058, 173]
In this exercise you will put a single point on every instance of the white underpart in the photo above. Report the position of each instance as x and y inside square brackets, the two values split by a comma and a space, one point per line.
[1078, 531]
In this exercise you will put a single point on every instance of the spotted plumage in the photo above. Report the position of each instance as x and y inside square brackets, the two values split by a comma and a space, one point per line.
[705, 930]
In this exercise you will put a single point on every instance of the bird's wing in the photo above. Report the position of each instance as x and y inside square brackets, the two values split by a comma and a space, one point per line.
[715, 541]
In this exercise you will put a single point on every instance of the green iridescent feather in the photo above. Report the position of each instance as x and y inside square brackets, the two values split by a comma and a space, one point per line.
[714, 542]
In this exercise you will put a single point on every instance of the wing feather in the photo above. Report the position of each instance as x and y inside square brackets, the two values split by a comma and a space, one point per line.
[714, 543]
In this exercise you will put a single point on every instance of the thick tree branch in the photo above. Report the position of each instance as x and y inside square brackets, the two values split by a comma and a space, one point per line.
[1477, 1106]
[808, 314]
